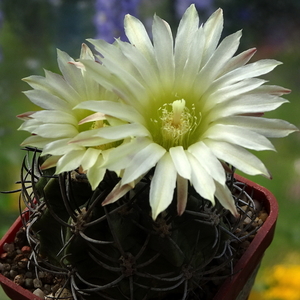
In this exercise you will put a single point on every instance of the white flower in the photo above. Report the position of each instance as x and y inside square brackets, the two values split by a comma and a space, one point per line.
[190, 104]
[54, 127]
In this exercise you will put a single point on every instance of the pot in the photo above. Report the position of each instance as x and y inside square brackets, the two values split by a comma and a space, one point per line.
[237, 286]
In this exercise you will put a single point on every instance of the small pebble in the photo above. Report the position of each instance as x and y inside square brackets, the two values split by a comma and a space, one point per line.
[28, 274]
[39, 293]
[28, 283]
[8, 247]
[47, 288]
[22, 263]
[13, 273]
[26, 249]
[6, 267]
[19, 279]
[37, 283]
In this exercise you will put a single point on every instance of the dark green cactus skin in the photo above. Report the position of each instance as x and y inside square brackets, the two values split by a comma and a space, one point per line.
[118, 251]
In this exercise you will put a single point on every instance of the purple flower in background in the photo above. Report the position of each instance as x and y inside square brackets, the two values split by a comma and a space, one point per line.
[204, 5]
[109, 17]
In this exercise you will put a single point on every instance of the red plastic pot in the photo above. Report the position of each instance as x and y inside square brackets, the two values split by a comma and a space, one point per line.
[236, 287]
[239, 285]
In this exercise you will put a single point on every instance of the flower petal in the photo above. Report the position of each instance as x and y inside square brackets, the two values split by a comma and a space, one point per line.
[239, 136]
[208, 160]
[60, 147]
[142, 162]
[96, 173]
[201, 180]
[238, 157]
[69, 161]
[224, 196]
[114, 109]
[180, 161]
[187, 29]
[271, 128]
[55, 117]
[212, 29]
[56, 130]
[90, 158]
[246, 104]
[47, 101]
[163, 50]
[138, 36]
[162, 185]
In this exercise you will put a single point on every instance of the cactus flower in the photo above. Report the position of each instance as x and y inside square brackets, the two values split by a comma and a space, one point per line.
[54, 127]
[192, 105]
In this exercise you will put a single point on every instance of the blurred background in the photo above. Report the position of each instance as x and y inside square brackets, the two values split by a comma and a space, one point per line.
[31, 30]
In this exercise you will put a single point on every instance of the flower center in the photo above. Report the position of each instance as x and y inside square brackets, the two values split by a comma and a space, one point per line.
[177, 123]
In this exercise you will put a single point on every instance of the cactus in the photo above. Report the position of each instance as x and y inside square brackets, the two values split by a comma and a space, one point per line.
[118, 251]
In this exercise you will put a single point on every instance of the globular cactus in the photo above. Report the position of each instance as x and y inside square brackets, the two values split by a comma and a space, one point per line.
[118, 251]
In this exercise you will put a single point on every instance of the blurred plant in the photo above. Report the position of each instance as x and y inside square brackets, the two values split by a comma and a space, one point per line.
[206, 7]
[282, 283]
[109, 18]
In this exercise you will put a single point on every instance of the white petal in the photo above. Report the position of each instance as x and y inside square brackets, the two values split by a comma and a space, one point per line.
[142, 162]
[60, 147]
[163, 49]
[147, 70]
[224, 196]
[208, 160]
[238, 61]
[239, 136]
[138, 36]
[30, 125]
[201, 180]
[255, 69]
[58, 86]
[56, 131]
[180, 161]
[115, 109]
[50, 162]
[122, 131]
[187, 29]
[238, 157]
[88, 139]
[162, 185]
[96, 173]
[36, 141]
[120, 157]
[70, 72]
[46, 100]
[90, 158]
[92, 118]
[111, 57]
[212, 30]
[272, 90]
[55, 116]
[69, 161]
[216, 95]
[192, 65]
[117, 192]
[218, 59]
[246, 104]
[271, 128]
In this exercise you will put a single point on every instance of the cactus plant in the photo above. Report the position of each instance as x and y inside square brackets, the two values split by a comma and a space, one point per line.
[118, 251]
